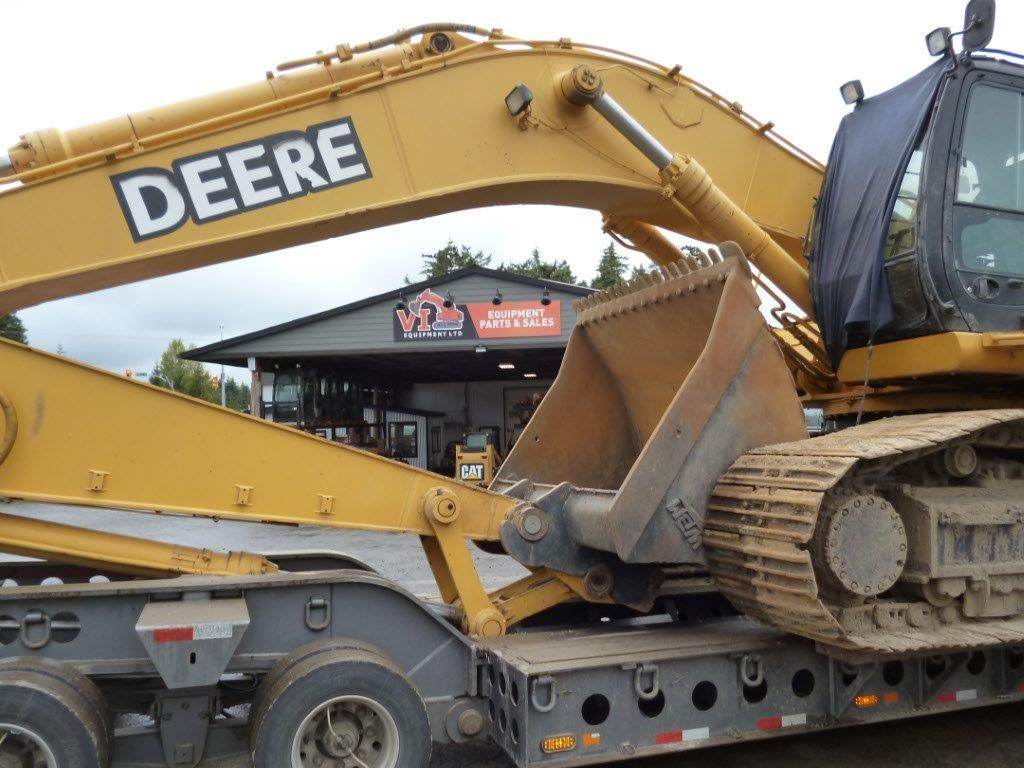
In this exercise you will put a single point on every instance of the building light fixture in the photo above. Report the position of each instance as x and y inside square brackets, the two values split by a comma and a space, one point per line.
[449, 300]
[401, 302]
[480, 349]
[529, 375]
[545, 298]
[497, 297]
[506, 366]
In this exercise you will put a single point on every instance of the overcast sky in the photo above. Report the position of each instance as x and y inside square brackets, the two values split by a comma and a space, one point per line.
[783, 60]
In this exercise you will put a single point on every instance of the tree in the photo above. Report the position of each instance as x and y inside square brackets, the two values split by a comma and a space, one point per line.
[238, 396]
[449, 259]
[535, 266]
[641, 271]
[697, 254]
[610, 269]
[12, 328]
[189, 377]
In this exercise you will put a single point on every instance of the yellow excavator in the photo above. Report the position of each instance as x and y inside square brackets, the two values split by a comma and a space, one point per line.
[673, 439]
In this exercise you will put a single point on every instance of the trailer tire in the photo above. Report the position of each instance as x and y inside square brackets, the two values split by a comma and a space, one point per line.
[302, 653]
[54, 711]
[369, 707]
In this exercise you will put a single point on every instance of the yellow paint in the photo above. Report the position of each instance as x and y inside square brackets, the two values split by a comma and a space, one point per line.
[108, 551]
[942, 355]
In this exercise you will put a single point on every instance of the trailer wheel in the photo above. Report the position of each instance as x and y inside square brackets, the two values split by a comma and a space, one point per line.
[299, 655]
[349, 708]
[51, 716]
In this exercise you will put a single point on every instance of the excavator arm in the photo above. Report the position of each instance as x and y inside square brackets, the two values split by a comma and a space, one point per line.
[368, 136]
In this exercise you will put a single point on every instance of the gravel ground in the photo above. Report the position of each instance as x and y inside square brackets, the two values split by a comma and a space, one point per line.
[983, 738]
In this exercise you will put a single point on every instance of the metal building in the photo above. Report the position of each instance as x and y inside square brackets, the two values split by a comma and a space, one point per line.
[408, 372]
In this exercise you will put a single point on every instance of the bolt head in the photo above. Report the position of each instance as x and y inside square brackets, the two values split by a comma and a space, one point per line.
[471, 722]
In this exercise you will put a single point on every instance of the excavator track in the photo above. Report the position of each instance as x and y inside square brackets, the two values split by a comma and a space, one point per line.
[764, 522]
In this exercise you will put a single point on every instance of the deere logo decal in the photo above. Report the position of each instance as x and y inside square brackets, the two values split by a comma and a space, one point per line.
[239, 178]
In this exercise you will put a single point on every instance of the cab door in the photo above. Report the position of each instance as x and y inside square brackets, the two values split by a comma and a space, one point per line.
[983, 245]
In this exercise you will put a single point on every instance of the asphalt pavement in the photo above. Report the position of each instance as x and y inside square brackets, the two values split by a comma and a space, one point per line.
[990, 737]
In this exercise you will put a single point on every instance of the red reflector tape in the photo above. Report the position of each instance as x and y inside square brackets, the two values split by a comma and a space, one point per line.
[950, 697]
[784, 721]
[668, 737]
[173, 635]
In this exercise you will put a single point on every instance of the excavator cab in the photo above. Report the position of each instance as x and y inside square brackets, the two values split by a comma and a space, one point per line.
[919, 229]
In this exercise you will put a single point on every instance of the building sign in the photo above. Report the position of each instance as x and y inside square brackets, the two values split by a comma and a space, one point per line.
[426, 318]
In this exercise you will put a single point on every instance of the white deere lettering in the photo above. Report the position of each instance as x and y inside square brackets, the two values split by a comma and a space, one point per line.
[239, 178]
[295, 158]
[247, 173]
[333, 152]
[202, 183]
[144, 195]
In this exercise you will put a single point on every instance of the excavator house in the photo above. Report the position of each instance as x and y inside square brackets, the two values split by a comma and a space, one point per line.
[699, 570]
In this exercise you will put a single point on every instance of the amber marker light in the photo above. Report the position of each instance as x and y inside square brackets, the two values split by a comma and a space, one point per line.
[564, 743]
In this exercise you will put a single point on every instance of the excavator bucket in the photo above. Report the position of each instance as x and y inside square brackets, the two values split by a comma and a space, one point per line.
[665, 383]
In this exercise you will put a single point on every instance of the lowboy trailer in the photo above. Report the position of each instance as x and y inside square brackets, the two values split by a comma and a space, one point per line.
[196, 669]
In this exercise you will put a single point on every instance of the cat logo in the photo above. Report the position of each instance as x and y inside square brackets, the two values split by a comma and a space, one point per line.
[471, 472]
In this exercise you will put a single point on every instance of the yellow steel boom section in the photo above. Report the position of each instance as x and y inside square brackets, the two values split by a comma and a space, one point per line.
[274, 164]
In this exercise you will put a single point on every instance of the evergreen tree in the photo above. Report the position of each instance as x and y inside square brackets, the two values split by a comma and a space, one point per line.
[558, 270]
[12, 328]
[449, 259]
[610, 269]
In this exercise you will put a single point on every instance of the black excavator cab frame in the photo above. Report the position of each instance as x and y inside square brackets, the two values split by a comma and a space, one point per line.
[953, 256]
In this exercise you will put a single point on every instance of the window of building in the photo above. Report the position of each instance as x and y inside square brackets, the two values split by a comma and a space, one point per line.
[403, 439]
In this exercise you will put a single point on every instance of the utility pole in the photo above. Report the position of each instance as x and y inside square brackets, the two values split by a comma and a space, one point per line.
[223, 383]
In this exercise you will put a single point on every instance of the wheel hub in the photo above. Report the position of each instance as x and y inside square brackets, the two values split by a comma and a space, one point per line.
[340, 737]
[20, 748]
[348, 732]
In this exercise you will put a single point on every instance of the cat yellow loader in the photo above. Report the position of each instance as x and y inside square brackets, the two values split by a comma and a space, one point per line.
[664, 494]
[477, 458]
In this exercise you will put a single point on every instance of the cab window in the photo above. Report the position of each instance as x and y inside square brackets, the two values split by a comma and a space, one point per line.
[902, 237]
[988, 212]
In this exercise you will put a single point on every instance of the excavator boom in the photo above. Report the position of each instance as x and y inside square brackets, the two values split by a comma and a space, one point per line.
[387, 136]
